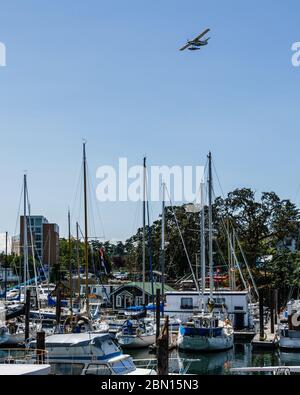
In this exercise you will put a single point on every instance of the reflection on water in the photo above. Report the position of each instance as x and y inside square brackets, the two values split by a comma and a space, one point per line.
[241, 355]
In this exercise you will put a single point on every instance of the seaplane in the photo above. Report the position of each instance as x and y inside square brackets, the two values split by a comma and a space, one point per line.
[196, 43]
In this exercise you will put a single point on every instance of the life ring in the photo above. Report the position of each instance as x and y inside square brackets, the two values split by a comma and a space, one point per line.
[296, 319]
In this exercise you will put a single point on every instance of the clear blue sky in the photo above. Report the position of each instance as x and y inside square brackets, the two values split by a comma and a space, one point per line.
[110, 72]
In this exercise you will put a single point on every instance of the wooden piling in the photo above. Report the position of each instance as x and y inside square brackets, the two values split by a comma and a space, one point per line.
[40, 347]
[157, 312]
[163, 350]
[27, 314]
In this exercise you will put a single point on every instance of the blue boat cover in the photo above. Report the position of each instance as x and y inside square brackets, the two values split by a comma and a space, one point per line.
[185, 331]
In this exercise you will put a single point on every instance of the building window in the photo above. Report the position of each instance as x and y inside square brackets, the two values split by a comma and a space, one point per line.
[118, 301]
[186, 303]
[219, 300]
[238, 308]
[138, 300]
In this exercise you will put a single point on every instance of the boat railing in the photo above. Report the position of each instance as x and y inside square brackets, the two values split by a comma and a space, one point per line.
[176, 366]
[23, 355]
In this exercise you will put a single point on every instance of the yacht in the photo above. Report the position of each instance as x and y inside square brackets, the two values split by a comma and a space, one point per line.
[206, 330]
[88, 354]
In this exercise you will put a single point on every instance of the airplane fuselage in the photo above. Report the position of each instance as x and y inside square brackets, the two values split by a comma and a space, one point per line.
[199, 43]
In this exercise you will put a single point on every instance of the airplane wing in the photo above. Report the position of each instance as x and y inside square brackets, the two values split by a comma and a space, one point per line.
[185, 47]
[201, 35]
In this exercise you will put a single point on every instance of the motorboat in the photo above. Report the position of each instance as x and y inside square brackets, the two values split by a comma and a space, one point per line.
[88, 354]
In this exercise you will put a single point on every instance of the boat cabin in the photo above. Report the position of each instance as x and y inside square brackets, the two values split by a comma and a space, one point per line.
[183, 304]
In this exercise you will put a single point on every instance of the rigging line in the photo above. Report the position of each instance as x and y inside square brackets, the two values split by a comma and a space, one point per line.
[214, 167]
[182, 240]
[16, 226]
[221, 254]
[136, 221]
[90, 181]
[91, 207]
[78, 207]
[33, 248]
[232, 250]
[96, 237]
[242, 252]
[76, 187]
[246, 263]
[33, 257]
[198, 192]
[150, 252]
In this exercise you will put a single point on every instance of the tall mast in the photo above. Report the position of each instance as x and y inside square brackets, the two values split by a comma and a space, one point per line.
[5, 269]
[202, 243]
[144, 226]
[78, 261]
[25, 241]
[70, 265]
[210, 239]
[86, 257]
[49, 256]
[163, 247]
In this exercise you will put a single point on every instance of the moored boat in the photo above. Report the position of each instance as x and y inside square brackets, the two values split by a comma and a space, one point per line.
[88, 354]
[289, 328]
[139, 334]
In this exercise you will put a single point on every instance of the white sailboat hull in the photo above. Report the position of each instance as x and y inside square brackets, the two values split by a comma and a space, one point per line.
[134, 341]
[289, 343]
[204, 343]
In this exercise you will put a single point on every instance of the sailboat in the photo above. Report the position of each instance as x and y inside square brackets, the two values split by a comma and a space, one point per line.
[206, 331]
[136, 332]
[81, 318]
[13, 329]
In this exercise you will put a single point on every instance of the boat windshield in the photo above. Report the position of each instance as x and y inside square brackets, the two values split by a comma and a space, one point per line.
[123, 366]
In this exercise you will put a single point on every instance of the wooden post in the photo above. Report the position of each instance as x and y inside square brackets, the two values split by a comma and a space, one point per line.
[261, 315]
[276, 305]
[272, 310]
[40, 347]
[163, 350]
[27, 314]
[157, 312]
[58, 306]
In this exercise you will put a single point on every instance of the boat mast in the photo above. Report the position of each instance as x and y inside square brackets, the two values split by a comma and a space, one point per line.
[202, 243]
[210, 238]
[49, 258]
[5, 269]
[70, 265]
[85, 233]
[78, 261]
[163, 248]
[25, 241]
[144, 226]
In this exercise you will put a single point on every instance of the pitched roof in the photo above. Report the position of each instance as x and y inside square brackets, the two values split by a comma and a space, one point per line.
[148, 287]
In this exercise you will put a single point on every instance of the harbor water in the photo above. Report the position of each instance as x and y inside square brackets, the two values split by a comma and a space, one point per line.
[242, 355]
